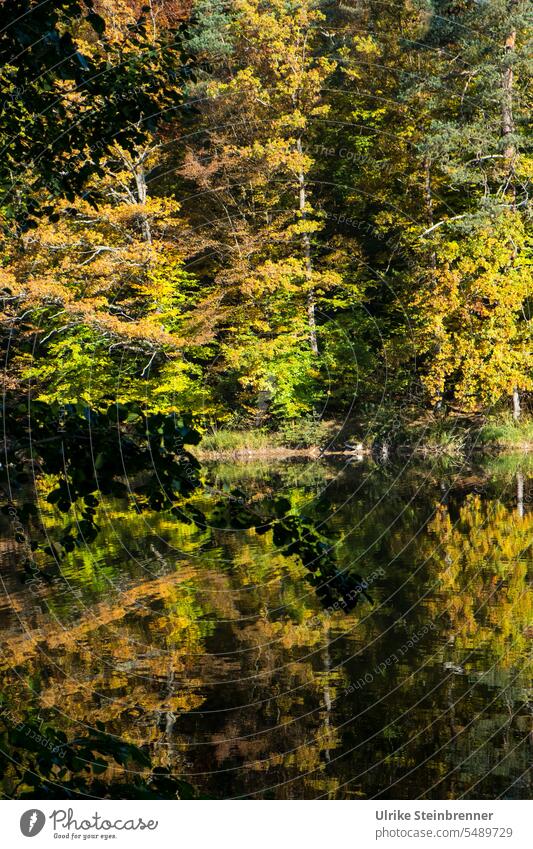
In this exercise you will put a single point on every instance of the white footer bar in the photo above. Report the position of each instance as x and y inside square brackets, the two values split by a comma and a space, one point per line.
[267, 824]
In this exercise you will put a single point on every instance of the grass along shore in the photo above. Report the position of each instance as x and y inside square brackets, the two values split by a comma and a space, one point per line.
[450, 436]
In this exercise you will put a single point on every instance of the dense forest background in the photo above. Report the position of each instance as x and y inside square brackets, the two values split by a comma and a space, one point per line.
[267, 213]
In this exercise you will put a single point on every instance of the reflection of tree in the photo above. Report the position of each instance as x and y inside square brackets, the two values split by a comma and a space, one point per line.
[481, 564]
[216, 654]
[138, 652]
[482, 569]
[38, 761]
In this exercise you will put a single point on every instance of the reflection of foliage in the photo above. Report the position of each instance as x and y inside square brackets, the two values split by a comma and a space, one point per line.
[483, 574]
[96, 451]
[226, 644]
[39, 762]
[295, 534]
[506, 466]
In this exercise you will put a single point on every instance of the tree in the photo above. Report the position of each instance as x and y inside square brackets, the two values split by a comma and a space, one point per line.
[261, 98]
[71, 90]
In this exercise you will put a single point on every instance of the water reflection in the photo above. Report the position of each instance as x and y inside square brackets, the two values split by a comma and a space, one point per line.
[226, 662]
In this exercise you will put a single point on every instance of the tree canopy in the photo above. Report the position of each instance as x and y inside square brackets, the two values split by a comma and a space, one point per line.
[266, 211]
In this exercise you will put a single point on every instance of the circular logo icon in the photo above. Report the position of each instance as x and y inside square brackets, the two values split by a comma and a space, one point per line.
[32, 822]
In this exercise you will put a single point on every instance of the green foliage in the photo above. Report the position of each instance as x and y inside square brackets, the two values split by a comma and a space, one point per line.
[506, 432]
[224, 441]
[209, 33]
[81, 367]
[306, 432]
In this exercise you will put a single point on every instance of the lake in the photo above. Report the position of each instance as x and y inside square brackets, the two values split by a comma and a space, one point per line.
[213, 651]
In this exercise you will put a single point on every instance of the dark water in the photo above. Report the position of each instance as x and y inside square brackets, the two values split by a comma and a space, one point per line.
[211, 649]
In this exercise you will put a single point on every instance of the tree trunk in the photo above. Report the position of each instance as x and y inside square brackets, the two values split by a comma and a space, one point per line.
[507, 103]
[306, 244]
[516, 404]
[142, 194]
[509, 150]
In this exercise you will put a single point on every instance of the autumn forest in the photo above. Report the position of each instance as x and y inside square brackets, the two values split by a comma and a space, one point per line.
[268, 212]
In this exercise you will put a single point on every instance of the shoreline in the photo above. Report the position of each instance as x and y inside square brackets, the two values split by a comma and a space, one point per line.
[315, 453]
[451, 438]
